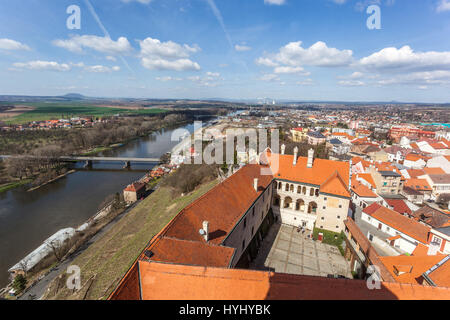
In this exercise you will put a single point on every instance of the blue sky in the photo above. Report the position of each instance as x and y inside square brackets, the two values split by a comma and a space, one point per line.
[239, 49]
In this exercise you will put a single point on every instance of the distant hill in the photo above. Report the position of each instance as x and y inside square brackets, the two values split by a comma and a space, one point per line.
[74, 96]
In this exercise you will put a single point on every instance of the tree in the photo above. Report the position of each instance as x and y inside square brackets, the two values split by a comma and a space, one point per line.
[19, 283]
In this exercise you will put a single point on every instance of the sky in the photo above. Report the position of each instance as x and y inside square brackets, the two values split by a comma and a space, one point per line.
[229, 49]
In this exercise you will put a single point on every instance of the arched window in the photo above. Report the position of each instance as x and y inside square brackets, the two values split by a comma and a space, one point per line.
[299, 189]
[288, 203]
[292, 188]
[312, 208]
[280, 186]
[300, 205]
[304, 190]
[287, 187]
[317, 192]
[311, 192]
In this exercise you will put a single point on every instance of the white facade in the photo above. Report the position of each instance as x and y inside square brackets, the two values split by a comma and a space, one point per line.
[405, 242]
[439, 162]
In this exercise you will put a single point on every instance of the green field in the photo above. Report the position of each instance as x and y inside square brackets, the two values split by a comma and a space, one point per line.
[54, 111]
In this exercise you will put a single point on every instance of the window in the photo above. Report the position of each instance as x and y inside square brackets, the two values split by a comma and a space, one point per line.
[245, 223]
[253, 212]
[340, 206]
[337, 227]
[324, 207]
[323, 218]
[339, 217]
[253, 231]
[325, 199]
[243, 245]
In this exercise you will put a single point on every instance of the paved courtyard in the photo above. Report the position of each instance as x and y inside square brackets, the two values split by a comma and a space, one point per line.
[287, 251]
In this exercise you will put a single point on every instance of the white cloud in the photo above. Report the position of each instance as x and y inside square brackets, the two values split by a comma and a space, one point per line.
[62, 67]
[101, 44]
[101, 69]
[242, 48]
[319, 54]
[393, 60]
[444, 5]
[168, 78]
[426, 78]
[269, 77]
[291, 70]
[266, 62]
[43, 65]
[8, 44]
[176, 65]
[210, 79]
[351, 83]
[111, 58]
[157, 55]
[307, 82]
[275, 2]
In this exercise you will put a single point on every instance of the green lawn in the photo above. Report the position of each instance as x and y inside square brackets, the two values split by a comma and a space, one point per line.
[13, 185]
[109, 258]
[53, 111]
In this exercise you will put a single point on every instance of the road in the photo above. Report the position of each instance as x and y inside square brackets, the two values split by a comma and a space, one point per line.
[38, 290]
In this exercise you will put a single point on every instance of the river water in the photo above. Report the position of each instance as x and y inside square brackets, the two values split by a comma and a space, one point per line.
[29, 218]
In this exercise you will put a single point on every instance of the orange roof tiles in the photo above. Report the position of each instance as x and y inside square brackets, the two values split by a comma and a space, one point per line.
[368, 177]
[135, 187]
[418, 184]
[408, 226]
[361, 190]
[174, 282]
[414, 173]
[399, 206]
[194, 253]
[222, 207]
[321, 171]
[434, 170]
[409, 269]
[441, 275]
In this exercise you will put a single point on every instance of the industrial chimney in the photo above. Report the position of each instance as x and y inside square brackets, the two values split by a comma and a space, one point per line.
[205, 231]
[295, 155]
[255, 184]
[283, 148]
[310, 158]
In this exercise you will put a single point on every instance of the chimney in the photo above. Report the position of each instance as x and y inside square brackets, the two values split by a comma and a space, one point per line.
[255, 184]
[310, 158]
[206, 230]
[295, 155]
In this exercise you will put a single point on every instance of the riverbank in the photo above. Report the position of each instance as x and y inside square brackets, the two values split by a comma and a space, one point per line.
[107, 259]
[13, 185]
[52, 180]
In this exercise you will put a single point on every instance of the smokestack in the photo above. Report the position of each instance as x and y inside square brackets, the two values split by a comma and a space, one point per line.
[295, 155]
[255, 184]
[310, 158]
[206, 230]
[283, 148]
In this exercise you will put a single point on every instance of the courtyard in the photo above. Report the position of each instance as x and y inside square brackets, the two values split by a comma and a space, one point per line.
[284, 250]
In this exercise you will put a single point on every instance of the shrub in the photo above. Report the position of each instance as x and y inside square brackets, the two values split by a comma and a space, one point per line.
[19, 283]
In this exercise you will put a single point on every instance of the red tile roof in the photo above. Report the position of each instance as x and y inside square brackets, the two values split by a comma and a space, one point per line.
[399, 206]
[408, 226]
[333, 175]
[135, 187]
[222, 207]
[175, 282]
[409, 269]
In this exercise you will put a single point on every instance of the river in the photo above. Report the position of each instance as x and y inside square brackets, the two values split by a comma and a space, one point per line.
[29, 218]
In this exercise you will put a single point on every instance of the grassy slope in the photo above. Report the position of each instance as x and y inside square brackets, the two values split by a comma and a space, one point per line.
[50, 111]
[112, 255]
[13, 185]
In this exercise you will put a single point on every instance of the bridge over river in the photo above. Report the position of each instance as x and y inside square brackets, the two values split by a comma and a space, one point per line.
[90, 160]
